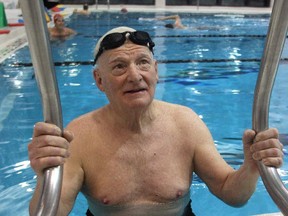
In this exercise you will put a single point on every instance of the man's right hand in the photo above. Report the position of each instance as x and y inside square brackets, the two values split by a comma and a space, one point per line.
[49, 147]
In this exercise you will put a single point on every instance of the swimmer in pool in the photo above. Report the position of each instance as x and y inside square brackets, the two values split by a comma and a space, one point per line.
[137, 155]
[177, 22]
[59, 29]
[85, 10]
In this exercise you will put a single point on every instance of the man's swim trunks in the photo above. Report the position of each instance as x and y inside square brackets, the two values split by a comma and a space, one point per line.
[187, 212]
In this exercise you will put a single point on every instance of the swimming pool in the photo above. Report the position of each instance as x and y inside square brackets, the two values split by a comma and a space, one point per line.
[211, 67]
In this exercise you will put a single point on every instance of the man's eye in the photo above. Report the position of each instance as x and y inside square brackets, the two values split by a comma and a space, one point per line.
[119, 69]
[119, 66]
[144, 61]
[144, 64]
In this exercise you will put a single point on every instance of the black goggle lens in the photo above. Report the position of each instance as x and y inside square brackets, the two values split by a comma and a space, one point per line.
[112, 41]
[115, 40]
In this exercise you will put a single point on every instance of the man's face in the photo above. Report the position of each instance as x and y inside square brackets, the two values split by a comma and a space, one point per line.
[128, 75]
[59, 23]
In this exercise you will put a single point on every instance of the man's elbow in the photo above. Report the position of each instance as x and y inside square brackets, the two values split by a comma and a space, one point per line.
[238, 202]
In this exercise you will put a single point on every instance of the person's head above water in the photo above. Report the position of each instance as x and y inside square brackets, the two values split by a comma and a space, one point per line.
[57, 17]
[116, 37]
[169, 25]
[85, 6]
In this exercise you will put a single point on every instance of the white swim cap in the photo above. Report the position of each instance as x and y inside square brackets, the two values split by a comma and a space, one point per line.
[120, 29]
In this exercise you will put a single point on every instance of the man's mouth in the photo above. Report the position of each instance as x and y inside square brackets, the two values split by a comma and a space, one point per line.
[135, 90]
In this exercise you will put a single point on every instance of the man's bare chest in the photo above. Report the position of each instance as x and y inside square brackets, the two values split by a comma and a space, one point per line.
[131, 173]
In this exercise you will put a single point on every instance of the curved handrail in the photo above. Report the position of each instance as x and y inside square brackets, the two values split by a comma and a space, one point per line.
[273, 49]
[39, 44]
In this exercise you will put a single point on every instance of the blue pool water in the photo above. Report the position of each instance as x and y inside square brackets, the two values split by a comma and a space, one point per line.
[211, 67]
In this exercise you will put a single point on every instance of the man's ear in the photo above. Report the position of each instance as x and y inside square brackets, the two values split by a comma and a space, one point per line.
[98, 79]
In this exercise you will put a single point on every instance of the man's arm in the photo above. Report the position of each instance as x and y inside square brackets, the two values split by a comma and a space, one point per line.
[172, 17]
[265, 147]
[236, 187]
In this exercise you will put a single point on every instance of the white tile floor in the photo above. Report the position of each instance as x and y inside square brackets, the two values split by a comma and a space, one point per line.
[17, 36]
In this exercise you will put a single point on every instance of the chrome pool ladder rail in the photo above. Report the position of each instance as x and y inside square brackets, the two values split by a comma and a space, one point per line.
[96, 4]
[108, 4]
[39, 45]
[270, 61]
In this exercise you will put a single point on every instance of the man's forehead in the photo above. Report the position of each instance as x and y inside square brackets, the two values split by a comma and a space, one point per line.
[129, 49]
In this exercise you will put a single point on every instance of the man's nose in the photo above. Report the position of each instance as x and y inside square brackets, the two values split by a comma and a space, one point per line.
[134, 74]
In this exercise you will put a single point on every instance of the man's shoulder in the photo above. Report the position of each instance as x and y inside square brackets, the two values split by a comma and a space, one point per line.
[173, 107]
[82, 120]
[177, 113]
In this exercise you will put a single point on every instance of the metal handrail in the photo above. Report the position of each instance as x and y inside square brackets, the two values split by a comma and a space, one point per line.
[273, 49]
[39, 45]
[96, 4]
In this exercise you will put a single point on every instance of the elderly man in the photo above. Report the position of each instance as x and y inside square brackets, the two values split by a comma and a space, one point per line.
[136, 155]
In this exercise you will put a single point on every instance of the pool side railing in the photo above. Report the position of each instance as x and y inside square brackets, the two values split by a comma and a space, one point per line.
[39, 45]
[272, 53]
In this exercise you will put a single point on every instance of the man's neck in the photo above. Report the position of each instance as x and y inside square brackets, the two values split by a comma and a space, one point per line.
[133, 120]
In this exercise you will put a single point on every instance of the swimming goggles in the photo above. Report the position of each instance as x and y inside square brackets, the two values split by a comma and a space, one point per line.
[114, 40]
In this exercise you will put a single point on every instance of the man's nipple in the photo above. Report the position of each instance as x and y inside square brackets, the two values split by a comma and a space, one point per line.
[179, 194]
[105, 201]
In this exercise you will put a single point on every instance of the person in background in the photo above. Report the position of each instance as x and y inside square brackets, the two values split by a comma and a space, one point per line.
[137, 155]
[84, 11]
[124, 10]
[59, 29]
[177, 22]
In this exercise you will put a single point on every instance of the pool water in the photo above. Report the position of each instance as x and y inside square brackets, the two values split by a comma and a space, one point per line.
[211, 67]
